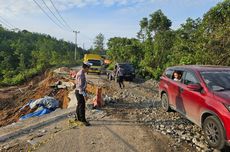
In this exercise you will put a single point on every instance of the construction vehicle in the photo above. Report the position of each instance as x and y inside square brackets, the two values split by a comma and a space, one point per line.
[96, 61]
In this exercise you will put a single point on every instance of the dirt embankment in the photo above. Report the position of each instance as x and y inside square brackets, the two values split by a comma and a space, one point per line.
[13, 98]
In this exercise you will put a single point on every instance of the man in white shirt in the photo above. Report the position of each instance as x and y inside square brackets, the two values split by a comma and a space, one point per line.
[80, 81]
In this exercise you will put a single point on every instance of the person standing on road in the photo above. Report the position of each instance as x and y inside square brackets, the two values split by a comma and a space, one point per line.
[120, 77]
[80, 92]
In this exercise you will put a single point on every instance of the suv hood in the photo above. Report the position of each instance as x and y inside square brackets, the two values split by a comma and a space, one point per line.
[223, 96]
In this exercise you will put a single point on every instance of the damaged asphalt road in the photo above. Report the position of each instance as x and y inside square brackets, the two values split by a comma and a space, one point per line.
[132, 120]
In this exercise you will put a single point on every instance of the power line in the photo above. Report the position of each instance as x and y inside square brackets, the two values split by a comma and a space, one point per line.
[46, 14]
[53, 13]
[90, 39]
[60, 15]
[6, 23]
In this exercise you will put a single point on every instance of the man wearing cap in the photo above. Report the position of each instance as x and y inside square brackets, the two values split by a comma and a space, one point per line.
[80, 92]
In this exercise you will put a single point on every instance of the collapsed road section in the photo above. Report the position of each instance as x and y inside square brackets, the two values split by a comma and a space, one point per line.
[52, 92]
[15, 102]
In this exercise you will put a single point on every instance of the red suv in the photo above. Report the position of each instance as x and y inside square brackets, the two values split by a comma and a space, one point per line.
[202, 94]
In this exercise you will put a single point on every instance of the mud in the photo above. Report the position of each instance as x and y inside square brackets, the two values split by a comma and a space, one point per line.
[13, 98]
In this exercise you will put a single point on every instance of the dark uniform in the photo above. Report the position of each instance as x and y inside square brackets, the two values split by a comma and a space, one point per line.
[120, 76]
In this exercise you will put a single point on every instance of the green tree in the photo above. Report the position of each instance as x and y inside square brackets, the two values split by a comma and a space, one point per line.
[125, 50]
[144, 32]
[197, 41]
[185, 49]
[99, 44]
[216, 34]
[23, 54]
[157, 47]
[159, 22]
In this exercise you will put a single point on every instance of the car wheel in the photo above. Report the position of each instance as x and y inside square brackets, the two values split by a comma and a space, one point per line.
[165, 102]
[214, 132]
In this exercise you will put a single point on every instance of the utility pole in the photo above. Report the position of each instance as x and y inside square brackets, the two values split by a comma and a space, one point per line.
[75, 52]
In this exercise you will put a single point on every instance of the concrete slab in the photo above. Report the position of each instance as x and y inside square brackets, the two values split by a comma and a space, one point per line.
[23, 127]
[73, 99]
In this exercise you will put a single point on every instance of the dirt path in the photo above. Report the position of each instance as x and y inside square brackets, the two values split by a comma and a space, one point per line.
[109, 136]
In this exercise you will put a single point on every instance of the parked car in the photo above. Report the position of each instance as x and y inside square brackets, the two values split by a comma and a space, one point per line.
[203, 96]
[129, 71]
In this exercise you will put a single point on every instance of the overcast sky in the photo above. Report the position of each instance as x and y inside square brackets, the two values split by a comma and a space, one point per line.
[91, 17]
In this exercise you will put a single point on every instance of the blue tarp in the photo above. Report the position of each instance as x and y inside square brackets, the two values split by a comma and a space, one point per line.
[45, 105]
[36, 113]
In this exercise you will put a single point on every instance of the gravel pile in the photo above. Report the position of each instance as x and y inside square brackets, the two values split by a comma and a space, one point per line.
[147, 110]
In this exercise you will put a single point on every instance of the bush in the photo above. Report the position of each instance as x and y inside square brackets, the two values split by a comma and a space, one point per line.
[111, 66]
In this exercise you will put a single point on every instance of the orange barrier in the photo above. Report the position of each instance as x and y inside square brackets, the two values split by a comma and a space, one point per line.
[98, 101]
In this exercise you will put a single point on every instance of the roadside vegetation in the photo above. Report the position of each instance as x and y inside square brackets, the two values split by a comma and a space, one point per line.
[24, 54]
[203, 41]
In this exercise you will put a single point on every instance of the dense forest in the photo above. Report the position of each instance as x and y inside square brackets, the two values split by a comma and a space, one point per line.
[157, 46]
[24, 54]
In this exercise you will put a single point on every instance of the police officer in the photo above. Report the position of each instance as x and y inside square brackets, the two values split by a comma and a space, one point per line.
[80, 92]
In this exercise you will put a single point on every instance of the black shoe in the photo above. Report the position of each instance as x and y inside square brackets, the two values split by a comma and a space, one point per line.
[76, 118]
[86, 123]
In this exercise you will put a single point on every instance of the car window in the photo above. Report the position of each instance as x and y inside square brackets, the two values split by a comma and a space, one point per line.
[95, 62]
[190, 79]
[126, 66]
[168, 73]
[217, 80]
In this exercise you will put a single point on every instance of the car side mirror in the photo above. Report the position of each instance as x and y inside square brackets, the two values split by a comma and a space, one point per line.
[194, 87]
